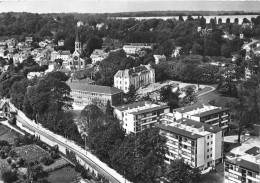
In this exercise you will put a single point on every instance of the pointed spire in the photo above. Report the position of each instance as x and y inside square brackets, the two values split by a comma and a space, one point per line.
[77, 35]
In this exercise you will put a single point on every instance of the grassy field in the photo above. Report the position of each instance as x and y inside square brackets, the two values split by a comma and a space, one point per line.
[30, 153]
[64, 175]
[219, 98]
[8, 134]
[3, 166]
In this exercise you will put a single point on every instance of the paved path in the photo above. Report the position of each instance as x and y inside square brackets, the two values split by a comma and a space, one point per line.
[212, 89]
[10, 126]
[79, 154]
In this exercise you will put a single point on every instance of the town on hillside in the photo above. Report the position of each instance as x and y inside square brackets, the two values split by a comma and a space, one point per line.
[94, 98]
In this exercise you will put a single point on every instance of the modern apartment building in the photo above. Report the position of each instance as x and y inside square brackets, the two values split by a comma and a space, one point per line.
[209, 114]
[136, 76]
[245, 168]
[199, 144]
[85, 94]
[140, 115]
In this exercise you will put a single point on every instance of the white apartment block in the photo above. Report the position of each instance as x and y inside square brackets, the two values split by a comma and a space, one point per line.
[137, 76]
[244, 168]
[199, 144]
[209, 114]
[139, 116]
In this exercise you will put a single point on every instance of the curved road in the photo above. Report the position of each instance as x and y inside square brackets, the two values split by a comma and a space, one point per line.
[81, 155]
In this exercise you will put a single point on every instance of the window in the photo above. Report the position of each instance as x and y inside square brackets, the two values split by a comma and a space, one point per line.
[211, 155]
[208, 137]
[207, 144]
[207, 150]
[208, 156]
[211, 142]
[210, 149]
[211, 136]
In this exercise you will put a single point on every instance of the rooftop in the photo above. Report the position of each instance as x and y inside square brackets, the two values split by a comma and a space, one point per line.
[178, 131]
[94, 88]
[131, 106]
[148, 107]
[84, 81]
[213, 111]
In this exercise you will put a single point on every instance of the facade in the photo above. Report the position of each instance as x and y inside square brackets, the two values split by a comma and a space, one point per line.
[28, 40]
[208, 114]
[98, 55]
[76, 62]
[61, 42]
[199, 144]
[139, 116]
[64, 55]
[133, 48]
[245, 168]
[137, 76]
[85, 94]
[159, 58]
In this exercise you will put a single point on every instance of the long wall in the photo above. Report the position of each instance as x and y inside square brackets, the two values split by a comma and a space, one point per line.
[67, 142]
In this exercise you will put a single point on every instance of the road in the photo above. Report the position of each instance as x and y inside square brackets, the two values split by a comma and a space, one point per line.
[81, 155]
[212, 89]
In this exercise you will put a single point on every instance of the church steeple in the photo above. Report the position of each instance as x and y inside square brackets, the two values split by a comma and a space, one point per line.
[77, 42]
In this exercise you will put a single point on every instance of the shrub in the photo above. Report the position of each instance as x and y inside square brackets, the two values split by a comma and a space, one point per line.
[9, 176]
[9, 160]
[46, 160]
[85, 174]
[4, 143]
[2, 154]
[79, 168]
[20, 161]
[13, 165]
[12, 153]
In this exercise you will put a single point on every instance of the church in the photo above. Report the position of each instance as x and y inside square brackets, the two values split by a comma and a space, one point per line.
[75, 62]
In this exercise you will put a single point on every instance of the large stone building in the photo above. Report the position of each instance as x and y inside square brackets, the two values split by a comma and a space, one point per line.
[209, 114]
[137, 76]
[133, 48]
[139, 116]
[199, 144]
[85, 94]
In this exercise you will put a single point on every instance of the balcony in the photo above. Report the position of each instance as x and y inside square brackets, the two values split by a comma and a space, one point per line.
[209, 120]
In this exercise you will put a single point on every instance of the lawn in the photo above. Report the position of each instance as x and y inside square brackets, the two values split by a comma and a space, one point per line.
[220, 99]
[64, 175]
[30, 153]
[206, 89]
[8, 134]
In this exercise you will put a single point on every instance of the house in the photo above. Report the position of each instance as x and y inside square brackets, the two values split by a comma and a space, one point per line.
[63, 55]
[31, 75]
[159, 58]
[61, 42]
[11, 43]
[98, 26]
[28, 40]
[176, 51]
[216, 116]
[43, 44]
[98, 55]
[256, 50]
[3, 44]
[251, 45]
[133, 48]
[86, 81]
[228, 36]
[85, 94]
[136, 76]
[199, 144]
[79, 23]
[139, 116]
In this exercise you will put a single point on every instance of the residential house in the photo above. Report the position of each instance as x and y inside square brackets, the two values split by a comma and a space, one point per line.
[136, 76]
[64, 55]
[176, 51]
[133, 48]
[3, 44]
[139, 116]
[159, 58]
[199, 144]
[43, 44]
[28, 40]
[61, 42]
[31, 75]
[98, 55]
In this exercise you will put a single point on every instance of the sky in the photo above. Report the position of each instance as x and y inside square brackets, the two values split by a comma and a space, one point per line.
[111, 6]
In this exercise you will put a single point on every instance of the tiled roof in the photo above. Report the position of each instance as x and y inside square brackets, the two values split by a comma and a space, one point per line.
[196, 124]
[94, 88]
[131, 106]
[178, 131]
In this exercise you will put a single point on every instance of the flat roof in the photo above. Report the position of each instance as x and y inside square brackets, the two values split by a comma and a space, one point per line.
[253, 151]
[196, 124]
[178, 131]
[254, 167]
[94, 88]
[131, 106]
[141, 111]
[213, 111]
[189, 108]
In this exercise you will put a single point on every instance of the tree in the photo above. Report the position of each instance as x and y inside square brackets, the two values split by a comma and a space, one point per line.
[181, 18]
[167, 95]
[141, 157]
[131, 95]
[225, 50]
[190, 95]
[181, 172]
[9, 176]
[109, 109]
